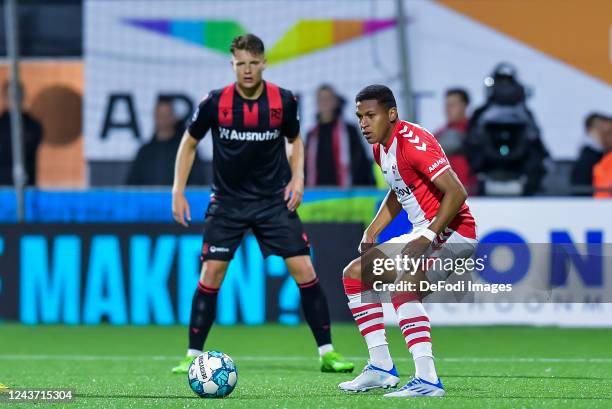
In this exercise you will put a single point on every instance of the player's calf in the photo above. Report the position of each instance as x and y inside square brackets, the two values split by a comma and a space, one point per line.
[366, 307]
[316, 313]
[416, 329]
[203, 313]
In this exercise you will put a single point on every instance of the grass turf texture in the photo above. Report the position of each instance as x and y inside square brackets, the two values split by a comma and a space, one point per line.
[492, 367]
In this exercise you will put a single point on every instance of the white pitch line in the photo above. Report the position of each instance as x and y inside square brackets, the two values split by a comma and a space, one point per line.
[528, 360]
[11, 357]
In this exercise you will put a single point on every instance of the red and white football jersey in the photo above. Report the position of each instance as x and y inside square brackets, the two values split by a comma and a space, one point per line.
[410, 162]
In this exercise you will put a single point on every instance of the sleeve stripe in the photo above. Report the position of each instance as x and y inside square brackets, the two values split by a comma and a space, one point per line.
[438, 173]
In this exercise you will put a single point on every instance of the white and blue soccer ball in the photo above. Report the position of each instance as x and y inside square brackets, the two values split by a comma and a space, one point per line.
[212, 374]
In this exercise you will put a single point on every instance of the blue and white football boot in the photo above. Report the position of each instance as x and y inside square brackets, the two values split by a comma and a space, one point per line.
[372, 377]
[418, 387]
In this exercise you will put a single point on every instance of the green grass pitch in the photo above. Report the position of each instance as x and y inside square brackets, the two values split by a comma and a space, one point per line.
[481, 367]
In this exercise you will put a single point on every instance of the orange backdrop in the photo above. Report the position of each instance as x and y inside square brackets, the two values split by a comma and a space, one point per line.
[577, 32]
[53, 94]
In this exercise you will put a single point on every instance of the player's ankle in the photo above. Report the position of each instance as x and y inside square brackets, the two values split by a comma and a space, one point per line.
[324, 349]
[380, 357]
[386, 364]
[428, 378]
[425, 369]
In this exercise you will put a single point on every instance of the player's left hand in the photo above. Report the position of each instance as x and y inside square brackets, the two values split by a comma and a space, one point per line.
[417, 247]
[294, 191]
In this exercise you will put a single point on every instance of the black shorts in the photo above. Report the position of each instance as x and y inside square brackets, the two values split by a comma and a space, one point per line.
[278, 231]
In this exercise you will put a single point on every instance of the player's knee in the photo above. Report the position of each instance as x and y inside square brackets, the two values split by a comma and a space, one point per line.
[304, 274]
[353, 270]
[212, 274]
[301, 269]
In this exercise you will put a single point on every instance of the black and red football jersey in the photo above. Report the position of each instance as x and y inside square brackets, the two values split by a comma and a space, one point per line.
[249, 159]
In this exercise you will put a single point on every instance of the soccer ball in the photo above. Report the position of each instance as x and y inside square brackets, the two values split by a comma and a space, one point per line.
[212, 375]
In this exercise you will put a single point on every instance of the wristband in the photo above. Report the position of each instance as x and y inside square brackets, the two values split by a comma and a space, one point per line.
[429, 234]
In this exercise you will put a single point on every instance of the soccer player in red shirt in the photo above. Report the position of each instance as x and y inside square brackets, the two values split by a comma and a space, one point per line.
[421, 182]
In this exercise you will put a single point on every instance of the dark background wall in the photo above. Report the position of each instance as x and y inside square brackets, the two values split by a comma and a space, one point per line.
[47, 28]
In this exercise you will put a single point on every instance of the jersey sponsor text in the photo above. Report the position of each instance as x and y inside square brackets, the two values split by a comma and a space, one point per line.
[233, 135]
[437, 163]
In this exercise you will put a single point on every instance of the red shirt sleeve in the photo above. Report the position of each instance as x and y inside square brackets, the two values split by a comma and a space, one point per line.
[423, 153]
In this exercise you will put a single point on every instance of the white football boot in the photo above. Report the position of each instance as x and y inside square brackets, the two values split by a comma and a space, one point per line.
[418, 387]
[372, 377]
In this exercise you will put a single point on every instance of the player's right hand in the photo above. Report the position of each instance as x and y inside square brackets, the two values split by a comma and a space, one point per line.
[180, 209]
[367, 242]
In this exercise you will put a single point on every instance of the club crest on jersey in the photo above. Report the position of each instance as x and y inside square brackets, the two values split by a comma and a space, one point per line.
[276, 113]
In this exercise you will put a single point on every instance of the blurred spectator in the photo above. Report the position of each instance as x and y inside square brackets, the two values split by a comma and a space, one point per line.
[591, 152]
[602, 171]
[451, 137]
[32, 137]
[335, 154]
[503, 144]
[154, 162]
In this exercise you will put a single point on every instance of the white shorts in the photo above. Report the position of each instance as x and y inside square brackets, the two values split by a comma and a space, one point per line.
[450, 249]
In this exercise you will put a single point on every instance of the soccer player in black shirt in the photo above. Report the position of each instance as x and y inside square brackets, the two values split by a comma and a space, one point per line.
[254, 187]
